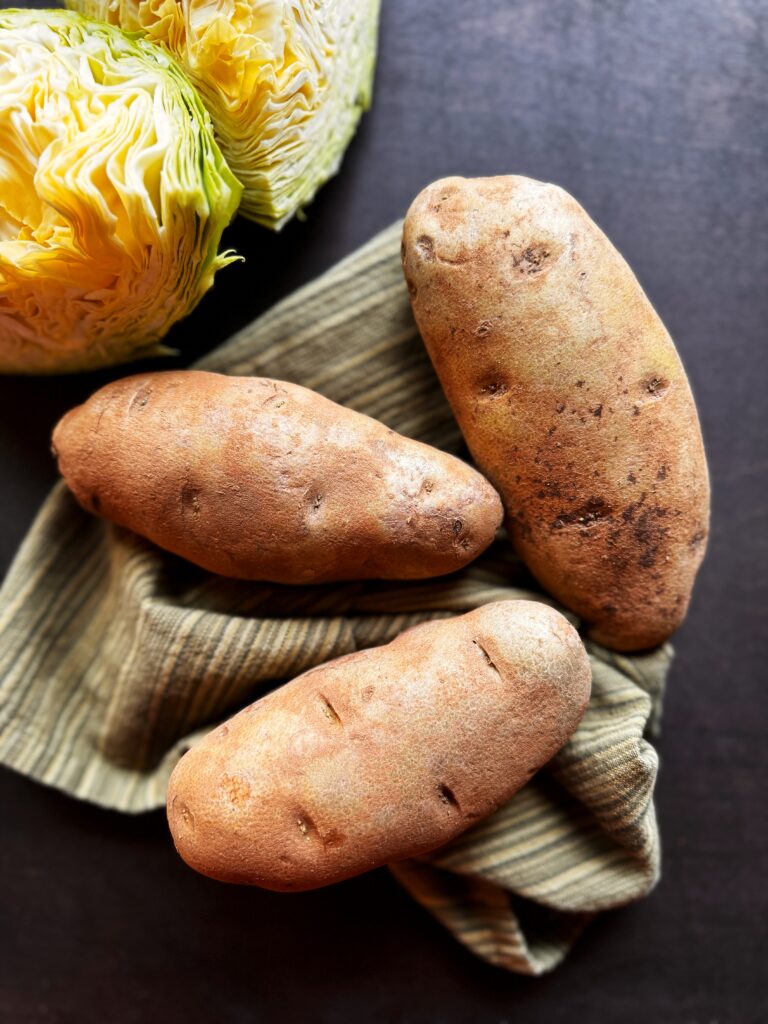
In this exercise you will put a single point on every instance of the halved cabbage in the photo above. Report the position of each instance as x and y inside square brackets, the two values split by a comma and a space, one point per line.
[113, 194]
[285, 82]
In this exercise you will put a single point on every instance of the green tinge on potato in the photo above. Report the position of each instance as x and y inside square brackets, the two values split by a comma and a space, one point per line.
[265, 480]
[570, 395]
[382, 754]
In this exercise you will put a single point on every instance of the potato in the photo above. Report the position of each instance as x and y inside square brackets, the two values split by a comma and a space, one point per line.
[570, 395]
[382, 754]
[265, 480]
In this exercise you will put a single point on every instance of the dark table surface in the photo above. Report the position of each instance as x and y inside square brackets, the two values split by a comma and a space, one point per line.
[653, 114]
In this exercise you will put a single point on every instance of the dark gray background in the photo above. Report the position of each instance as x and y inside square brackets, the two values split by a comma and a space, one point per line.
[653, 113]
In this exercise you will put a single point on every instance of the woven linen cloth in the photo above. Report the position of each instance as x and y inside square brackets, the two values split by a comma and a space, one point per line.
[115, 656]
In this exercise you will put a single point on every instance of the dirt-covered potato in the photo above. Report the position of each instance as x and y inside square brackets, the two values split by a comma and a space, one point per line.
[382, 754]
[265, 480]
[570, 395]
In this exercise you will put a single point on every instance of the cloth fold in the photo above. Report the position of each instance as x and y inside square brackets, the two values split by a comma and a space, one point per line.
[115, 656]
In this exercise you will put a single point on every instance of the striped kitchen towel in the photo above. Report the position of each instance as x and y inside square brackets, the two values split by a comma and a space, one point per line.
[115, 656]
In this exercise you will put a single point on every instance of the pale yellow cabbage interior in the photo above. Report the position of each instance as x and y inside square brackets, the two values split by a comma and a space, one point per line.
[285, 82]
[113, 194]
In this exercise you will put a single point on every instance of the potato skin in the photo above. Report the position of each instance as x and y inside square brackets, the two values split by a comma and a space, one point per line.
[382, 754]
[570, 395]
[265, 480]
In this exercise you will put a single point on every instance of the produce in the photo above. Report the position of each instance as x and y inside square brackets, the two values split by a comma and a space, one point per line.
[285, 82]
[265, 480]
[382, 754]
[113, 194]
[570, 395]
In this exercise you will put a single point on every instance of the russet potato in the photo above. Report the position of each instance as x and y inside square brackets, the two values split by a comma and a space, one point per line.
[570, 395]
[383, 754]
[265, 480]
